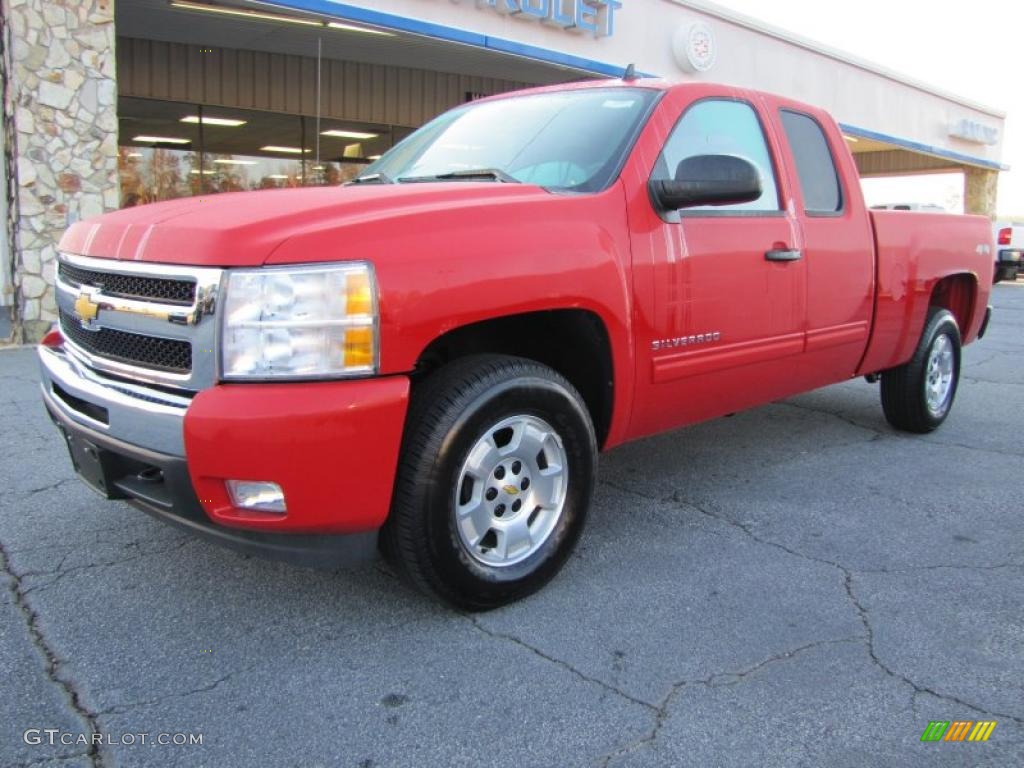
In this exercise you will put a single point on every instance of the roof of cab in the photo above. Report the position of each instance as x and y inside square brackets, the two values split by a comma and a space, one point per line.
[652, 83]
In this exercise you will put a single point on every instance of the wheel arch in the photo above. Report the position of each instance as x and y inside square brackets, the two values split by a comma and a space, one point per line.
[957, 293]
[573, 342]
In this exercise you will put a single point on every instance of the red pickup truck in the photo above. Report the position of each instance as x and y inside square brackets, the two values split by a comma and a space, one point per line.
[430, 358]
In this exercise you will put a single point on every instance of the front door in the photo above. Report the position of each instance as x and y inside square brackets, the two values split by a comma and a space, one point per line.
[724, 327]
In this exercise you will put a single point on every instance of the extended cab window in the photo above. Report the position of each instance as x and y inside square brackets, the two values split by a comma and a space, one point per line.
[814, 163]
[720, 127]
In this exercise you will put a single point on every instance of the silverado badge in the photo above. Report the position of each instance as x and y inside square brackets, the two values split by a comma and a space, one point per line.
[685, 341]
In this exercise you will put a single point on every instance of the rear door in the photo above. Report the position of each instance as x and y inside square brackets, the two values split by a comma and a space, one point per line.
[723, 325]
[838, 242]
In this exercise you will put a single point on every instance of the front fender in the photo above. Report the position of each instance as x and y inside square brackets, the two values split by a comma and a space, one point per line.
[446, 267]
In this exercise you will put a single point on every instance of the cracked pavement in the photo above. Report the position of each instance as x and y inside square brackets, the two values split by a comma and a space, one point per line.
[792, 586]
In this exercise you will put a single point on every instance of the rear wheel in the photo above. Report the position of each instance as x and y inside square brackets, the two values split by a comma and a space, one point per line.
[496, 474]
[918, 396]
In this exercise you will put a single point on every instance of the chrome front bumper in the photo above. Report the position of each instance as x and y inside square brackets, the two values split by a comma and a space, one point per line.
[127, 442]
[149, 418]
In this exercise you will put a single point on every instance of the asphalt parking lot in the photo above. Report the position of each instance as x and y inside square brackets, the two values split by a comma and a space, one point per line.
[797, 585]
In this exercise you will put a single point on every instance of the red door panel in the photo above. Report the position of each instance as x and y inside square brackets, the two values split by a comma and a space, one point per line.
[718, 326]
[837, 237]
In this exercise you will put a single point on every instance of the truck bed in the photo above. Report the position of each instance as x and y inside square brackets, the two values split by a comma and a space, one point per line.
[914, 251]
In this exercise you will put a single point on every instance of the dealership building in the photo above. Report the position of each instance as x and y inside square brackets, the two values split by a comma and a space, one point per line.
[108, 104]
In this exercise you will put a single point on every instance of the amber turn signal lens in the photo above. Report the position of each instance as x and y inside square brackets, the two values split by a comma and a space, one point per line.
[358, 294]
[358, 347]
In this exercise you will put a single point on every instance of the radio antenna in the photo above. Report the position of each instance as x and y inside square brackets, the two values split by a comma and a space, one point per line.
[630, 73]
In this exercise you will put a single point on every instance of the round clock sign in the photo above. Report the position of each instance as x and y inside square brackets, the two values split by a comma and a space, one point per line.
[694, 47]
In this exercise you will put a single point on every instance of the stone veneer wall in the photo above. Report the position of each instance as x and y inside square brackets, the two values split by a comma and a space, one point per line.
[62, 112]
[8, 188]
[980, 190]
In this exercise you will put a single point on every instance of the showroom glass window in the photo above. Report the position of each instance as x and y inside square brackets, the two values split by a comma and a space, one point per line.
[722, 127]
[171, 149]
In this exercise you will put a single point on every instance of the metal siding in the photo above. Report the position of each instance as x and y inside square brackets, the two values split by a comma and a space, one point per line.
[307, 86]
[260, 80]
[228, 72]
[360, 92]
[898, 161]
[202, 69]
[156, 61]
[277, 67]
[421, 88]
[176, 60]
[246, 80]
[293, 84]
[391, 96]
[349, 88]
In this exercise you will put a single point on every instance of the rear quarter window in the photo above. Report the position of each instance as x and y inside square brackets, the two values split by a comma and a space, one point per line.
[815, 165]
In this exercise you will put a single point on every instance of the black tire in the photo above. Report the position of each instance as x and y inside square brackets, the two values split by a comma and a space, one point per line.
[904, 389]
[450, 413]
[1007, 274]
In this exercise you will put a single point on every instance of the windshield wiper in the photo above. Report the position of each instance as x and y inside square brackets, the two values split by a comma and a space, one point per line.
[471, 174]
[372, 178]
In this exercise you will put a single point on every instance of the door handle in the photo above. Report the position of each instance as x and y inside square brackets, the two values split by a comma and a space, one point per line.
[783, 255]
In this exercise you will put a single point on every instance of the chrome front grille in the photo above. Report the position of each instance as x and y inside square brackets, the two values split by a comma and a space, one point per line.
[178, 292]
[151, 323]
[171, 355]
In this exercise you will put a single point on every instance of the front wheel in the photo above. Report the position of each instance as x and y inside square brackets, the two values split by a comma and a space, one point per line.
[918, 396]
[495, 478]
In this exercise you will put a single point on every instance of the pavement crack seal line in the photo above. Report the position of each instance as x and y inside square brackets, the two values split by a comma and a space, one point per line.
[881, 434]
[22, 379]
[878, 434]
[980, 380]
[711, 681]
[59, 574]
[51, 760]
[848, 574]
[917, 687]
[51, 487]
[53, 661]
[964, 447]
[559, 662]
[125, 708]
[78, 543]
[951, 566]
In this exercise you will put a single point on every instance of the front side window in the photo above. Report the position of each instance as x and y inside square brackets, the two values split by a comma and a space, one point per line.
[720, 127]
[819, 179]
[573, 140]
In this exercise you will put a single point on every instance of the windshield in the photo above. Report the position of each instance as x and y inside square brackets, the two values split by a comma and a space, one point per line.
[564, 140]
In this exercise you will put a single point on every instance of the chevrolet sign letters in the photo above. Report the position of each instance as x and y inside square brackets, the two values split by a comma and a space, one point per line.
[594, 16]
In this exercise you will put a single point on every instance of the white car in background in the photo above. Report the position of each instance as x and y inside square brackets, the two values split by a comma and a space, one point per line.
[923, 207]
[1009, 239]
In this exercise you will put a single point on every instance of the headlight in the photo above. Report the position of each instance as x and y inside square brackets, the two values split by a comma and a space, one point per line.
[300, 322]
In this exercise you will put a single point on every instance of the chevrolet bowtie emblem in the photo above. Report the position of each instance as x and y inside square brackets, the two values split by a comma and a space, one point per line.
[86, 308]
[511, 490]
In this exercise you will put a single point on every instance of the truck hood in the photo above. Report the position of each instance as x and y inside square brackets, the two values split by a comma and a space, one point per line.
[244, 228]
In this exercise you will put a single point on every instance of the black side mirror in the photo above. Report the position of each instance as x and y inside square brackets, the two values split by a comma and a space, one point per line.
[708, 180]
